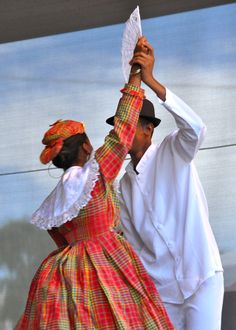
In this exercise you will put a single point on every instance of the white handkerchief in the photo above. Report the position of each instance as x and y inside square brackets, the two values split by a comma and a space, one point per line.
[132, 32]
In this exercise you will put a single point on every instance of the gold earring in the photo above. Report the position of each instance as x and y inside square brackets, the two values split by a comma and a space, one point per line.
[50, 168]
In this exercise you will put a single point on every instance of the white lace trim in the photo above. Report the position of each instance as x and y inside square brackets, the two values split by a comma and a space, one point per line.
[72, 193]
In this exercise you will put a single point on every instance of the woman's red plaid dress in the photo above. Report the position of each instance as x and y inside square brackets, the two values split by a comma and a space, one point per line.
[96, 281]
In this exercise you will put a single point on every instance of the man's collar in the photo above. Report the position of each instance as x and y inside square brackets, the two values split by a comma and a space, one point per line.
[142, 163]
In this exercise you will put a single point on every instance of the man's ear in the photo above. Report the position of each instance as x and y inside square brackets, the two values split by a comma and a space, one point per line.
[148, 130]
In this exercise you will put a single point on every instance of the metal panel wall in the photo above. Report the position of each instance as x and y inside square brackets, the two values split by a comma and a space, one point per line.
[30, 19]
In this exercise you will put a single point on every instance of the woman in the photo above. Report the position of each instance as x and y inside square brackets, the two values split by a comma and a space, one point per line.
[94, 280]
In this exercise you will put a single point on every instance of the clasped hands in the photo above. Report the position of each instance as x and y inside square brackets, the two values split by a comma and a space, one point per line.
[143, 58]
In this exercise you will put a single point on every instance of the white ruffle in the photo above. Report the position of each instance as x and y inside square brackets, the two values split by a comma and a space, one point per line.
[71, 194]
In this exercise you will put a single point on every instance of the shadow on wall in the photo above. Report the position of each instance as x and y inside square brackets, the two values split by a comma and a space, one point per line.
[229, 311]
[23, 247]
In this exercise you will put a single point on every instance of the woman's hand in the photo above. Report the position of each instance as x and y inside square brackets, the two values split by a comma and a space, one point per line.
[144, 57]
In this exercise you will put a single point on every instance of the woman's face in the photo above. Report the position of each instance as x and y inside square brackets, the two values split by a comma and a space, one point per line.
[84, 152]
[88, 146]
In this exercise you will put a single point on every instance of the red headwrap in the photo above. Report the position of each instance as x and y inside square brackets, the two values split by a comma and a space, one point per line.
[53, 138]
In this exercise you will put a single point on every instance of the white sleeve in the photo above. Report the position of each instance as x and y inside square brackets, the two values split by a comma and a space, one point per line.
[191, 130]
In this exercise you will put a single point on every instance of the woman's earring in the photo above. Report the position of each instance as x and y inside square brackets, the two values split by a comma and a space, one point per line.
[50, 168]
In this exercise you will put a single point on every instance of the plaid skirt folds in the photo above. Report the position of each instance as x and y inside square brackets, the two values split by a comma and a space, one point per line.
[93, 284]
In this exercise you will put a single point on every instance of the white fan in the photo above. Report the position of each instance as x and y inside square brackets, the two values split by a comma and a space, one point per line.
[132, 32]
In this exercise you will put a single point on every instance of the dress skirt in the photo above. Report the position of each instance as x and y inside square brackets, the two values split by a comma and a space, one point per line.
[93, 284]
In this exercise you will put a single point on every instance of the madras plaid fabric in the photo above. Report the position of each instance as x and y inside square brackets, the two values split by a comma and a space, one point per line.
[96, 281]
[53, 138]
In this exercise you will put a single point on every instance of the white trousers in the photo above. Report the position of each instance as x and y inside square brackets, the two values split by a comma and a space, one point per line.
[201, 311]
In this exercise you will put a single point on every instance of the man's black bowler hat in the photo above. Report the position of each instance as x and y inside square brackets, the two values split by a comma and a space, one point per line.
[147, 112]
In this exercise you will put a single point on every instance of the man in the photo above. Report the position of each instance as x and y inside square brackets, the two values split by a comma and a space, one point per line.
[164, 211]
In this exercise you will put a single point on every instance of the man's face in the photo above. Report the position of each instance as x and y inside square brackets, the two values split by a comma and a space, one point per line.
[139, 139]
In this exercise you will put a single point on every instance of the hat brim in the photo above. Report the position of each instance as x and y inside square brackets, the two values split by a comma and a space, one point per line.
[155, 121]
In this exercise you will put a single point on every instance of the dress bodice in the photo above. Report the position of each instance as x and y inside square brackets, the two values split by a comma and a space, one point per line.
[98, 217]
